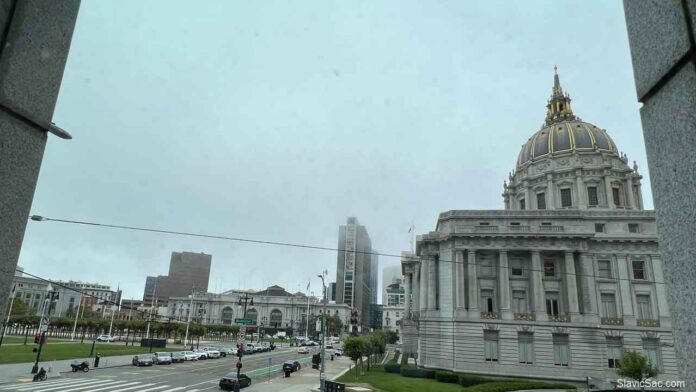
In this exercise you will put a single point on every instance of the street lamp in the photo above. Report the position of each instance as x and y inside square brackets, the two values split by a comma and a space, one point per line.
[51, 296]
[322, 370]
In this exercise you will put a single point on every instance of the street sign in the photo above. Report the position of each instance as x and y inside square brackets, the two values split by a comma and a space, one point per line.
[43, 327]
[241, 334]
[243, 321]
[270, 361]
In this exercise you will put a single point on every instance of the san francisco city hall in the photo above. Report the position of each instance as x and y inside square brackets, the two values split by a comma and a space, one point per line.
[558, 284]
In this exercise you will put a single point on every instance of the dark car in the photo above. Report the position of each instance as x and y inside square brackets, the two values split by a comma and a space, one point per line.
[291, 366]
[143, 360]
[230, 379]
[178, 357]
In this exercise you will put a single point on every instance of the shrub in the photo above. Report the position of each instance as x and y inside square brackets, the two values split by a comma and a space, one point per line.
[445, 376]
[468, 380]
[505, 386]
[392, 368]
[409, 371]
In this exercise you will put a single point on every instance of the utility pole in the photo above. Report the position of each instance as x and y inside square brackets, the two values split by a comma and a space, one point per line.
[322, 370]
[9, 312]
[77, 314]
[48, 302]
[188, 320]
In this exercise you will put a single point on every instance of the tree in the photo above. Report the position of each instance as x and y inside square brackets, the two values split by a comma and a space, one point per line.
[392, 337]
[18, 307]
[354, 348]
[636, 366]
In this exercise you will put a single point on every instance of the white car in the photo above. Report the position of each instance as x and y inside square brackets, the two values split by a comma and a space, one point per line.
[190, 355]
[105, 338]
[211, 352]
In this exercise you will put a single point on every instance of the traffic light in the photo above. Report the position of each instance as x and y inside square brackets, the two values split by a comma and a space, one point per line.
[37, 338]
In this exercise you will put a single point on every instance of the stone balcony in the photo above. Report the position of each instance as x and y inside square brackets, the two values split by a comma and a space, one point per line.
[490, 315]
[560, 318]
[509, 229]
[647, 323]
[612, 321]
[524, 317]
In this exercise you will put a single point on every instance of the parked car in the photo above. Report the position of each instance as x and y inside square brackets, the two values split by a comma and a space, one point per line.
[143, 360]
[190, 355]
[162, 358]
[249, 348]
[211, 352]
[105, 338]
[291, 366]
[230, 379]
[201, 354]
[338, 352]
[178, 357]
[225, 351]
[303, 350]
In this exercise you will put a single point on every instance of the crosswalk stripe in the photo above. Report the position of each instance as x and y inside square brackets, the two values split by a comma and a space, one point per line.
[24, 384]
[110, 384]
[153, 388]
[129, 388]
[174, 389]
[40, 385]
[115, 386]
[63, 386]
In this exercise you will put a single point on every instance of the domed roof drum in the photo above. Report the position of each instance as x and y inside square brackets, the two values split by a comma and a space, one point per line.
[563, 132]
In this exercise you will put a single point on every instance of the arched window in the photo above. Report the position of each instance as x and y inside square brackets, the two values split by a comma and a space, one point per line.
[276, 318]
[253, 315]
[227, 315]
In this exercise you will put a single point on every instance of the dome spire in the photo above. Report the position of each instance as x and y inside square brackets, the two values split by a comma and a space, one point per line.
[558, 107]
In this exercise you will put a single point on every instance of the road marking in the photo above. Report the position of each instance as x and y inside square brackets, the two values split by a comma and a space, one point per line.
[74, 385]
[174, 389]
[153, 388]
[111, 384]
[129, 388]
[115, 386]
[24, 384]
[44, 385]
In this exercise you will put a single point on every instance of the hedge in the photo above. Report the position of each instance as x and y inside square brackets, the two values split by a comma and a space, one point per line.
[392, 368]
[468, 380]
[445, 376]
[505, 386]
[408, 371]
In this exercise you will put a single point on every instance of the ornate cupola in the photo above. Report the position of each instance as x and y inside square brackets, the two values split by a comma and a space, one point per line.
[558, 107]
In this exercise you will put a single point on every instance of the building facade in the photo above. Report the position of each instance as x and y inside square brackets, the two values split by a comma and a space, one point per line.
[273, 308]
[391, 317]
[389, 274]
[187, 272]
[559, 284]
[354, 281]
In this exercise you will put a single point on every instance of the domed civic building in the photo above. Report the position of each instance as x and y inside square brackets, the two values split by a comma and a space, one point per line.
[560, 283]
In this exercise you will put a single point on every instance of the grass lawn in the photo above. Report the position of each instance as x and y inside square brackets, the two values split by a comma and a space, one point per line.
[391, 382]
[18, 354]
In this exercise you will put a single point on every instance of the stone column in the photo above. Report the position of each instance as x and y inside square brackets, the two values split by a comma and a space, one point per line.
[415, 284]
[659, 278]
[590, 305]
[423, 285]
[625, 291]
[550, 193]
[432, 284]
[527, 196]
[571, 285]
[630, 201]
[580, 186]
[33, 56]
[607, 190]
[407, 295]
[539, 297]
[460, 300]
[504, 286]
[472, 282]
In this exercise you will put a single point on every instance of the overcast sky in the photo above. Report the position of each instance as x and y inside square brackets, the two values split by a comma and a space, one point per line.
[277, 120]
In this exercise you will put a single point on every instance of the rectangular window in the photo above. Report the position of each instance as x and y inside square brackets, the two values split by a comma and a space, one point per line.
[514, 223]
[484, 223]
[541, 201]
[561, 350]
[566, 198]
[644, 307]
[522, 204]
[487, 301]
[651, 350]
[599, 227]
[614, 348]
[486, 266]
[525, 345]
[616, 194]
[516, 267]
[592, 199]
[519, 301]
[604, 269]
[608, 305]
[552, 307]
[490, 346]
[633, 228]
[549, 268]
[638, 269]
[546, 224]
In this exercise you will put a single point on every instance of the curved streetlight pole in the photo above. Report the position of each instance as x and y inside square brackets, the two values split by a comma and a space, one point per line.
[322, 370]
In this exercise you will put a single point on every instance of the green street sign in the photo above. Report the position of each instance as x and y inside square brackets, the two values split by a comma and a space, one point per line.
[243, 321]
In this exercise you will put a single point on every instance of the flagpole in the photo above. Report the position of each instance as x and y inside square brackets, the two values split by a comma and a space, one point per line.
[9, 312]
[307, 327]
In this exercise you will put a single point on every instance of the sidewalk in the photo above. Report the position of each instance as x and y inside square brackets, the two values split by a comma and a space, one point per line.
[305, 380]
[14, 372]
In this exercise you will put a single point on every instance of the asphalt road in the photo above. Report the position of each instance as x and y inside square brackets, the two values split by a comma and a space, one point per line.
[192, 376]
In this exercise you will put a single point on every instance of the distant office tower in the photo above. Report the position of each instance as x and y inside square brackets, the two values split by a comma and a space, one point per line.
[187, 271]
[389, 276]
[354, 281]
[374, 277]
